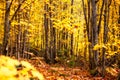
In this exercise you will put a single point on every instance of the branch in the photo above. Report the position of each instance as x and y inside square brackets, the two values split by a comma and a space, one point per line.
[10, 4]
[96, 1]
[109, 3]
[84, 11]
[99, 24]
[15, 13]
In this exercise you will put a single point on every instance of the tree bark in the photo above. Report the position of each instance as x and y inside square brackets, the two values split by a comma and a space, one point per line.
[72, 35]
[94, 33]
[52, 36]
[6, 28]
[105, 36]
[46, 23]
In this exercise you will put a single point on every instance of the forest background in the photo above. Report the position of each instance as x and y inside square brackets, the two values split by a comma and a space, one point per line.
[84, 31]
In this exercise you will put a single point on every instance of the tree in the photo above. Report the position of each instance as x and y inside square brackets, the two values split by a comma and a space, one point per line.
[6, 27]
[52, 35]
[46, 26]
[92, 31]
[72, 35]
[7, 24]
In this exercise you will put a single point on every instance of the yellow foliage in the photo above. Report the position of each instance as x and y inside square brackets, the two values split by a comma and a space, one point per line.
[97, 46]
[118, 2]
[11, 69]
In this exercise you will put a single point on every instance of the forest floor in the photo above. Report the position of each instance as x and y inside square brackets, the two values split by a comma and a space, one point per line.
[63, 72]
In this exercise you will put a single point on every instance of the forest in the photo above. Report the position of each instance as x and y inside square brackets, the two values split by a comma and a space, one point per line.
[59, 39]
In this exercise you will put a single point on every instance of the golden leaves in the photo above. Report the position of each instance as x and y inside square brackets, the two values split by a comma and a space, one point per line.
[97, 46]
[118, 2]
[11, 69]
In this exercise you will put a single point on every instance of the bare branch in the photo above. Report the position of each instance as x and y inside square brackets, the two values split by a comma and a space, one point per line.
[10, 4]
[109, 3]
[15, 13]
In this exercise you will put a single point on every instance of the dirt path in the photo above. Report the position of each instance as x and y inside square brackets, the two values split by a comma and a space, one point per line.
[58, 72]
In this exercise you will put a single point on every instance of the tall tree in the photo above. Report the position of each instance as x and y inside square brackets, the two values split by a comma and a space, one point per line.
[72, 35]
[7, 23]
[6, 27]
[46, 26]
[94, 31]
[105, 36]
[52, 35]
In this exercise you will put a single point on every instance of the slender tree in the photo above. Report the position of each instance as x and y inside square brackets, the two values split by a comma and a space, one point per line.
[52, 36]
[72, 35]
[105, 37]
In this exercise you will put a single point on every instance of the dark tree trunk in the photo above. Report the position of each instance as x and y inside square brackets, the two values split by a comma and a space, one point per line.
[94, 33]
[89, 30]
[24, 43]
[100, 20]
[106, 15]
[119, 22]
[54, 44]
[52, 36]
[46, 21]
[6, 28]
[72, 36]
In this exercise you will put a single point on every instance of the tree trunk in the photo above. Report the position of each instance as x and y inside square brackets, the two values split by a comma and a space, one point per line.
[24, 43]
[19, 35]
[52, 37]
[89, 30]
[105, 36]
[94, 33]
[46, 21]
[72, 36]
[6, 28]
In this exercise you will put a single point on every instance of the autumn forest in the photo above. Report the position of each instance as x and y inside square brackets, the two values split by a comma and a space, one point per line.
[69, 39]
